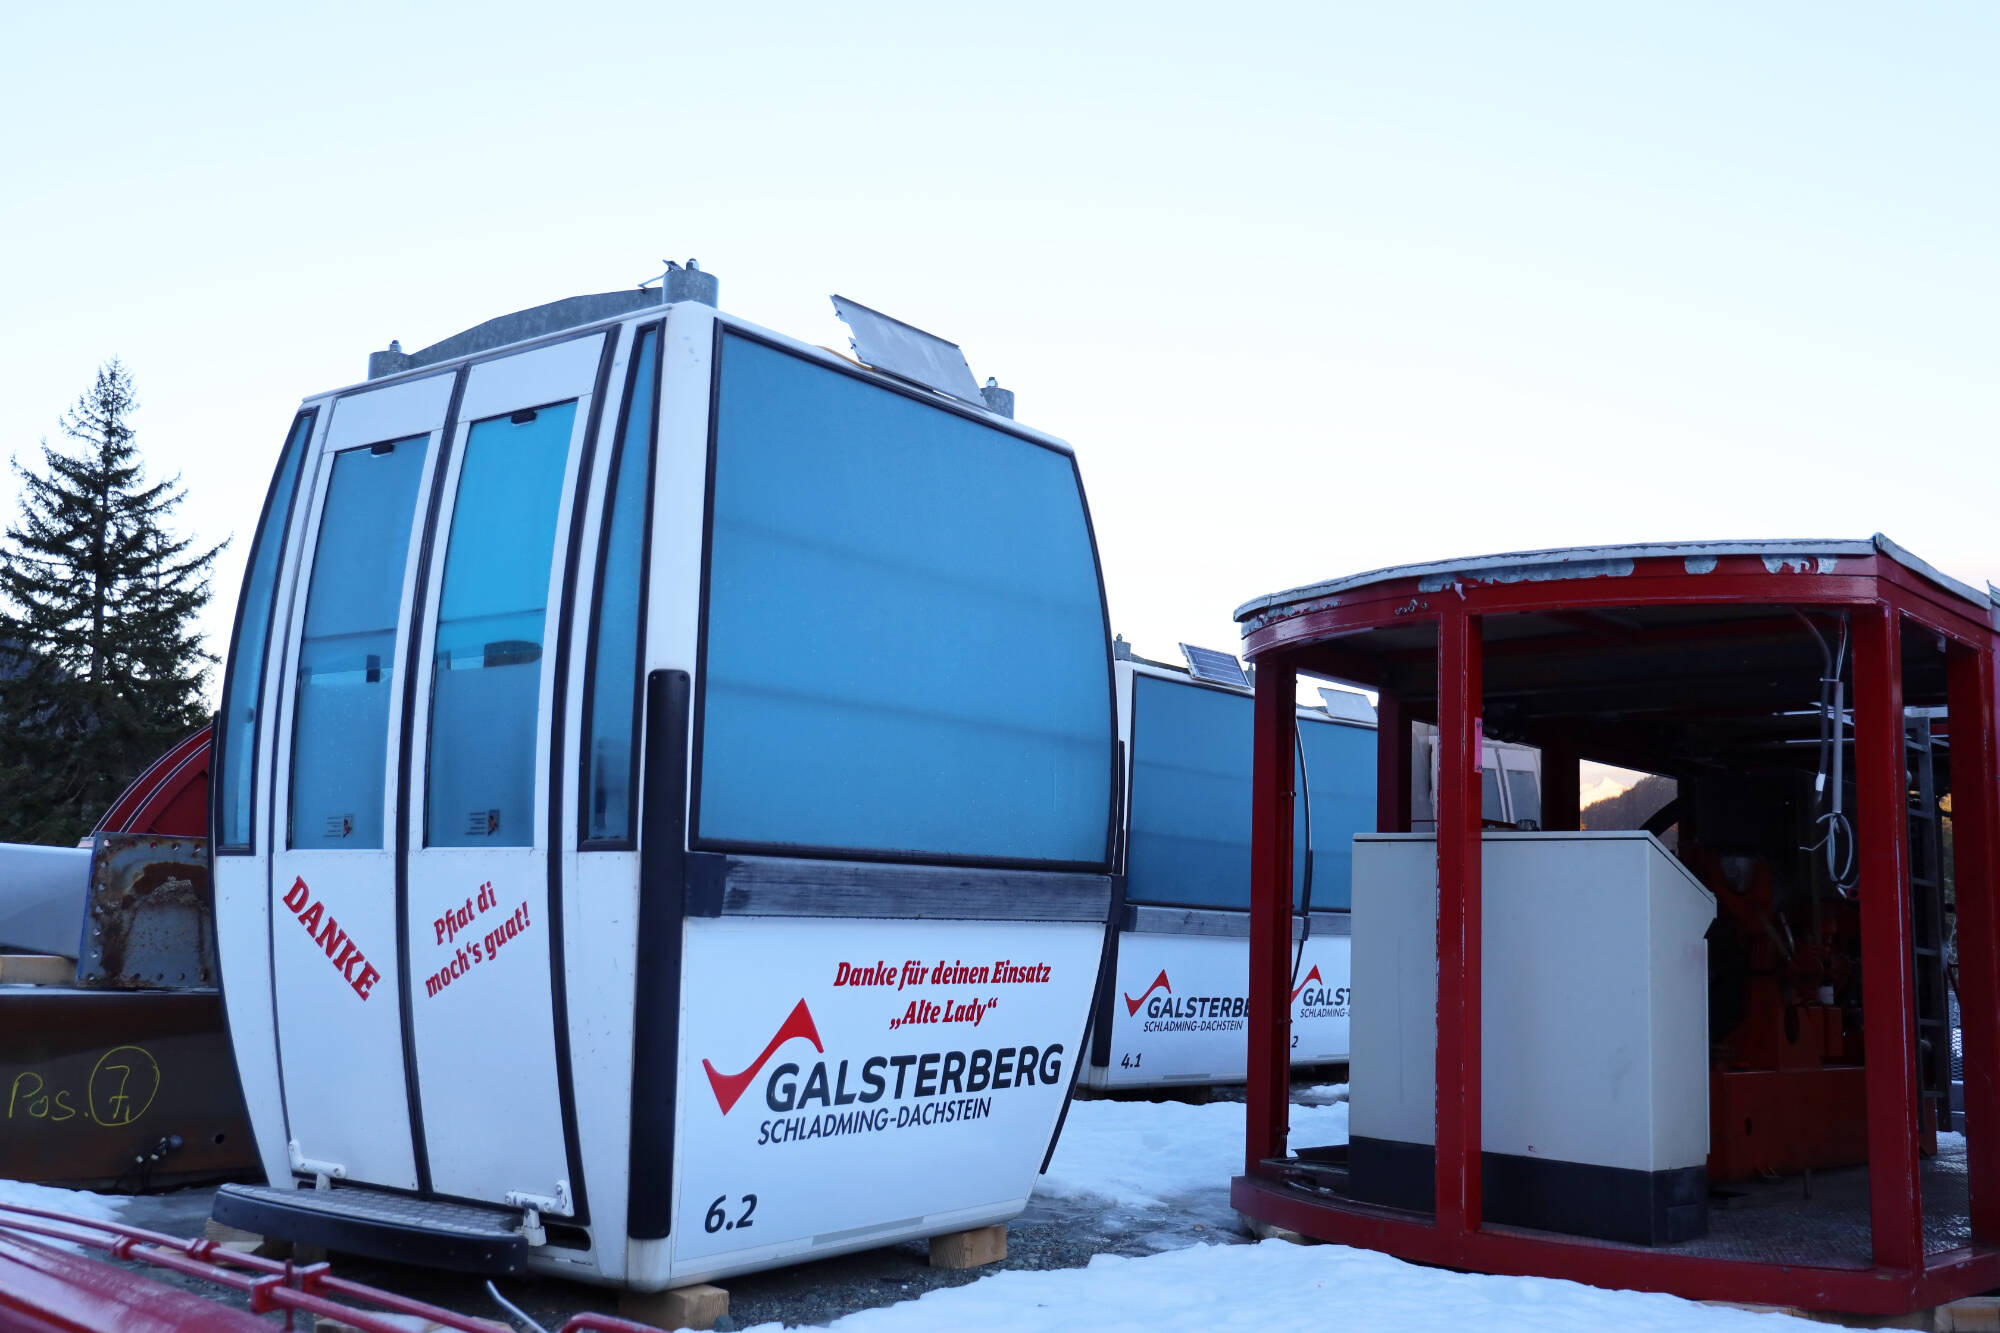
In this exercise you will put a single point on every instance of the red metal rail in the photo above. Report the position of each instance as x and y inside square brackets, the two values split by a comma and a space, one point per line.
[44, 1289]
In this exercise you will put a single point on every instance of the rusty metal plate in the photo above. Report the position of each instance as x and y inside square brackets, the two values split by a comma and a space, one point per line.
[150, 918]
[93, 1083]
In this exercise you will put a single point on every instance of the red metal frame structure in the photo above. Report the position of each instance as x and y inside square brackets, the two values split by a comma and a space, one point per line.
[48, 1289]
[1383, 631]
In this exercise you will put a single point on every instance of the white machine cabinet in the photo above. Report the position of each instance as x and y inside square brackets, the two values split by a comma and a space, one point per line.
[1594, 1035]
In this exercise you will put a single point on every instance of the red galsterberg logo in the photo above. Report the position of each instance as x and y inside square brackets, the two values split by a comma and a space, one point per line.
[1159, 983]
[1311, 977]
[729, 1087]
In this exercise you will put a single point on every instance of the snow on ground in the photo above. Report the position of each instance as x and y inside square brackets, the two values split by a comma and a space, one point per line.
[98, 1207]
[1167, 1166]
[1170, 1158]
[1278, 1285]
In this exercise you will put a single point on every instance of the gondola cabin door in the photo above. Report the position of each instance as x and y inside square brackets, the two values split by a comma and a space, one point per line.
[482, 896]
[413, 959]
[336, 983]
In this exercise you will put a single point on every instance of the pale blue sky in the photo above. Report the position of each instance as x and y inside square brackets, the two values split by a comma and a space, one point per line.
[1311, 289]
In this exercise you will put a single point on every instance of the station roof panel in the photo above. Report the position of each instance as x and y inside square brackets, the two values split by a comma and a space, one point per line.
[1580, 562]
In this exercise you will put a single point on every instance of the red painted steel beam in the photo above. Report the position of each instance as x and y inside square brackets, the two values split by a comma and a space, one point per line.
[1580, 645]
[1859, 1290]
[1975, 820]
[1392, 765]
[1374, 608]
[1458, 1015]
[1339, 662]
[1888, 1000]
[1968, 623]
[1268, 1090]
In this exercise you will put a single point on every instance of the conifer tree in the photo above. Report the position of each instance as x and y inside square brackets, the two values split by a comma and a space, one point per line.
[101, 668]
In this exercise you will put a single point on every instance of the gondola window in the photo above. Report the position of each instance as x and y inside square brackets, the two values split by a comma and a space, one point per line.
[347, 650]
[487, 669]
[905, 649]
[243, 695]
[614, 653]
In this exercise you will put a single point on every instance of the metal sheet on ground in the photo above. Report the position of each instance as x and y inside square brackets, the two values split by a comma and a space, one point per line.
[95, 1080]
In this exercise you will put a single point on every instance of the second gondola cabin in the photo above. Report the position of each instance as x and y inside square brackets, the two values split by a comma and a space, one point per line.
[1171, 1009]
[663, 799]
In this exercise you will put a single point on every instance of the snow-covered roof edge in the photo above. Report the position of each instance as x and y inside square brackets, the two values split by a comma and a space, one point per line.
[1613, 561]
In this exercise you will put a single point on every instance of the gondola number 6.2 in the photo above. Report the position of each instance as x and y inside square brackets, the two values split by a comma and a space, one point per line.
[717, 1220]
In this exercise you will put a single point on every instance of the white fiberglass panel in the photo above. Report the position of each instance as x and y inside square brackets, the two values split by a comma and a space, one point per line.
[242, 939]
[333, 950]
[1180, 1009]
[1594, 997]
[877, 1076]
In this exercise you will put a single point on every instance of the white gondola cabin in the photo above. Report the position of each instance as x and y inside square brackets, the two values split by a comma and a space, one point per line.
[663, 800]
[1171, 1010]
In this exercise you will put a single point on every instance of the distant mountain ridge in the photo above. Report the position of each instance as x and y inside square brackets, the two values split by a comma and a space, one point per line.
[1632, 807]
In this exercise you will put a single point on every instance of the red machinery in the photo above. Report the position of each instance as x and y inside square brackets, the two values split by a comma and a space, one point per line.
[1728, 667]
[1788, 1090]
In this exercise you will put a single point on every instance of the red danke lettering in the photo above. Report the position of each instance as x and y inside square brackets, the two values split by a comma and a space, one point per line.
[324, 931]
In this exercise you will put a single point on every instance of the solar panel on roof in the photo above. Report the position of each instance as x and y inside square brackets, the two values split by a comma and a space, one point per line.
[904, 350]
[1347, 704]
[1208, 664]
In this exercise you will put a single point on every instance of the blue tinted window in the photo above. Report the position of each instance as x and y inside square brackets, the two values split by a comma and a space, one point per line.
[487, 672]
[1191, 764]
[243, 692]
[614, 650]
[1191, 799]
[347, 653]
[906, 648]
[1340, 774]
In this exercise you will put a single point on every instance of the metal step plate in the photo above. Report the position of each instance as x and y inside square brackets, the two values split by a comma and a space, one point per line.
[380, 1225]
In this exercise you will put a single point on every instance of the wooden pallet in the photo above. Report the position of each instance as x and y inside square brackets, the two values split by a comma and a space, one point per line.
[37, 969]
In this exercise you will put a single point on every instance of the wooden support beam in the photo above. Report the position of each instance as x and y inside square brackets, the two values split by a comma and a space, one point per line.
[36, 969]
[970, 1249]
[247, 1242]
[698, 1306]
